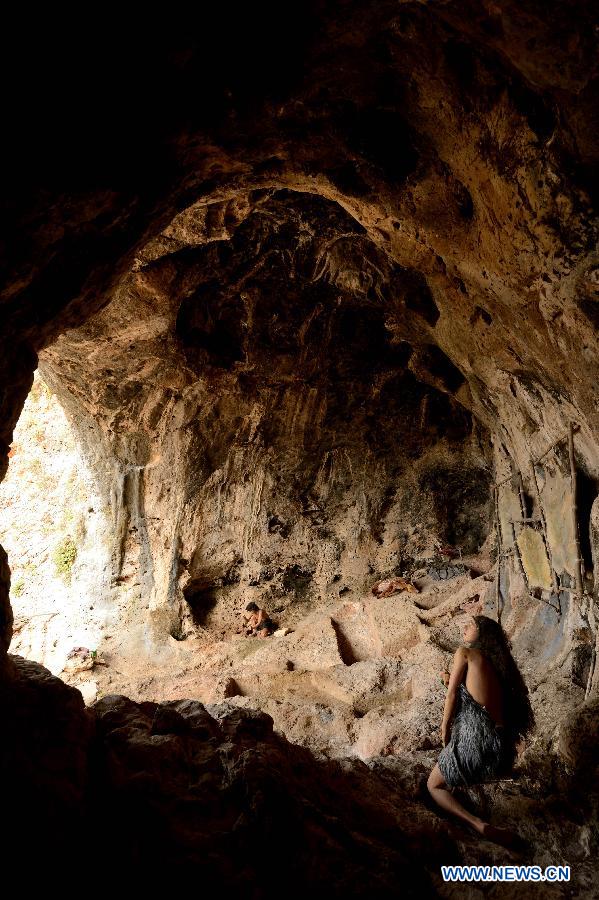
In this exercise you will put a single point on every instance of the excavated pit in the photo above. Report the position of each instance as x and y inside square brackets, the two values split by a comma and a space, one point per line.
[321, 307]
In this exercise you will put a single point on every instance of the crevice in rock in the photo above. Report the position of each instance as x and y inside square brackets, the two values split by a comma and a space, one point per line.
[202, 599]
[420, 300]
[443, 369]
[345, 648]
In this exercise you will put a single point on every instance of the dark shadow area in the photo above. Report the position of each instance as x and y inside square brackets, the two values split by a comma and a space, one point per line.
[421, 413]
[590, 308]
[346, 651]
[347, 178]
[441, 367]
[383, 138]
[210, 328]
[539, 114]
[529, 505]
[480, 314]
[464, 201]
[297, 580]
[201, 600]
[420, 300]
[461, 499]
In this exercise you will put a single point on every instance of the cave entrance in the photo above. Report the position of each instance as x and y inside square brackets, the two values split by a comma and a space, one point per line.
[587, 490]
[51, 524]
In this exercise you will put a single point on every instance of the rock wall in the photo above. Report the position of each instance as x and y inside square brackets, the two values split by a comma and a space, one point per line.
[344, 254]
[212, 793]
[447, 198]
[58, 535]
[45, 759]
[271, 437]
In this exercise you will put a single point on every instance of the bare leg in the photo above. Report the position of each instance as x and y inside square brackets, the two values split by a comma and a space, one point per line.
[441, 795]
[443, 798]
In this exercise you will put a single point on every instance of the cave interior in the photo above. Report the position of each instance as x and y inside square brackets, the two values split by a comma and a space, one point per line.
[319, 302]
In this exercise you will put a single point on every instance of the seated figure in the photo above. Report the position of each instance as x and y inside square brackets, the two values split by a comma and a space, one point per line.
[487, 713]
[253, 617]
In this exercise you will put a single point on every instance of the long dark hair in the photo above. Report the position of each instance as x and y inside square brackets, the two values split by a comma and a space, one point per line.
[493, 642]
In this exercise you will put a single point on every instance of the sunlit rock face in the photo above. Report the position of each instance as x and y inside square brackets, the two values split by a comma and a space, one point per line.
[58, 535]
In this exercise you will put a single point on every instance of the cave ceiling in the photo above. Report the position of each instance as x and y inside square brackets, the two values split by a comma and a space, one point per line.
[420, 174]
[297, 294]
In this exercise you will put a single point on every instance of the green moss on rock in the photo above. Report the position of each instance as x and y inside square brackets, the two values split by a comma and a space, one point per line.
[65, 554]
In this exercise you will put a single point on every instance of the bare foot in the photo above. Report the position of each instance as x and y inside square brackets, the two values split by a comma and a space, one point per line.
[502, 836]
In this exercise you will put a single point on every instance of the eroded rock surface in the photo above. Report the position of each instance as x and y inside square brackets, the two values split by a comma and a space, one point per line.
[286, 373]
[324, 286]
[171, 771]
[270, 440]
[205, 790]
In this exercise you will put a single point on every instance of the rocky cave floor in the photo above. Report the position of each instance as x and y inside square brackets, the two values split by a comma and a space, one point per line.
[325, 736]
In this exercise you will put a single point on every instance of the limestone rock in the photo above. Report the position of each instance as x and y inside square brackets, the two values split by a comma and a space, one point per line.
[315, 646]
[577, 740]
[6, 615]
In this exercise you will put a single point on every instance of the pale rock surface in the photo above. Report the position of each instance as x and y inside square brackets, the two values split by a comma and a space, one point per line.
[312, 646]
[49, 497]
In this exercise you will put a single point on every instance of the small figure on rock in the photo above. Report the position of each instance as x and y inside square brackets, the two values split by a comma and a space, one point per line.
[487, 713]
[393, 586]
[254, 619]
